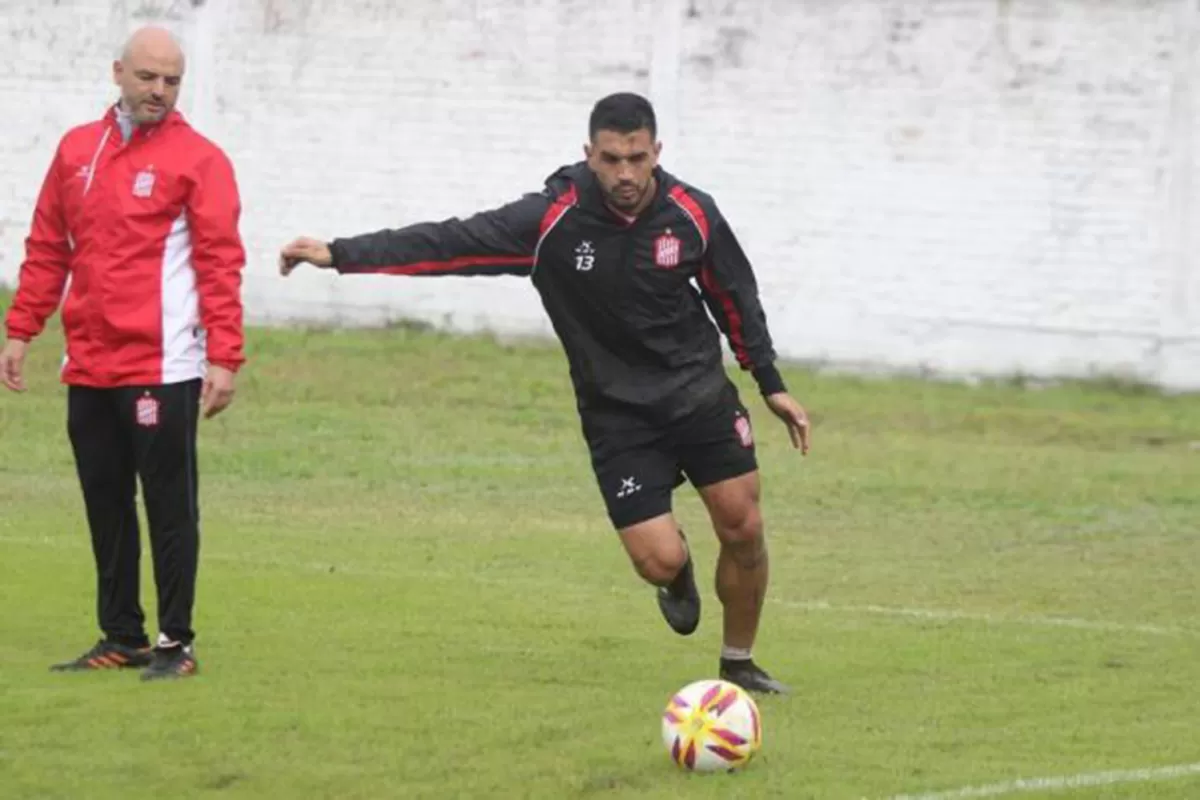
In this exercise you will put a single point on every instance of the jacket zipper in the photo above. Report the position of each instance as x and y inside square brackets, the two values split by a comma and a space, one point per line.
[96, 158]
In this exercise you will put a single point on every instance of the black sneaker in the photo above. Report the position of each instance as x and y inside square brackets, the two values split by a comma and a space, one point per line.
[751, 677]
[680, 601]
[106, 655]
[171, 661]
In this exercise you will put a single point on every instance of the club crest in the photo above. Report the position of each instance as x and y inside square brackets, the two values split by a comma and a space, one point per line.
[667, 250]
[744, 432]
[147, 411]
[143, 183]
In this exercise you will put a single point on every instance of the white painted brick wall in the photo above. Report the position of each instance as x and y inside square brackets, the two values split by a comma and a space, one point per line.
[965, 186]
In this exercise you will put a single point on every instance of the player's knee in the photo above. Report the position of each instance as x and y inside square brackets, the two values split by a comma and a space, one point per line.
[660, 565]
[744, 529]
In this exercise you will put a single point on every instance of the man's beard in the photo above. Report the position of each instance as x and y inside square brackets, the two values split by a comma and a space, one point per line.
[624, 201]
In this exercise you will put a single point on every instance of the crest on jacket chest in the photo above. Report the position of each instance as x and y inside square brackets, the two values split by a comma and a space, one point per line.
[143, 182]
[667, 250]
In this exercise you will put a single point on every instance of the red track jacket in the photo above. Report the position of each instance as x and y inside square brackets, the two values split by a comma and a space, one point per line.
[147, 233]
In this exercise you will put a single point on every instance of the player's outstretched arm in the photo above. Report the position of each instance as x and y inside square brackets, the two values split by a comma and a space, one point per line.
[499, 241]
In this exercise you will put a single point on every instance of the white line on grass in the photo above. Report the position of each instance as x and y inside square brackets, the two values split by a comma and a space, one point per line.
[934, 614]
[1080, 781]
[950, 615]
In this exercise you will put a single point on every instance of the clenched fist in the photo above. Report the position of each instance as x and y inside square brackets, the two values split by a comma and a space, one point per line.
[301, 251]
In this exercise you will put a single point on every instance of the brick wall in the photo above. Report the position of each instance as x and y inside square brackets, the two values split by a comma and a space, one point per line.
[951, 185]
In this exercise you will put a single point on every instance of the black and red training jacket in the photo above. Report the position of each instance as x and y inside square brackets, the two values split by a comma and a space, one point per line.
[627, 298]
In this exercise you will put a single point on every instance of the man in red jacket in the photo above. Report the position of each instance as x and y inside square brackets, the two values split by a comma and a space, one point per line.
[140, 212]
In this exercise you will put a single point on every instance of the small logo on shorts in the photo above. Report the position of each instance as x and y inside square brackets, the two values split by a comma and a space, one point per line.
[742, 426]
[628, 487]
[147, 411]
[667, 249]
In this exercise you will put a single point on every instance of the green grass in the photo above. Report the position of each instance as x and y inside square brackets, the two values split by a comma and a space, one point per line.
[408, 589]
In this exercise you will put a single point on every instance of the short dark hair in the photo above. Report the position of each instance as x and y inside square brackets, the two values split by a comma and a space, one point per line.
[623, 112]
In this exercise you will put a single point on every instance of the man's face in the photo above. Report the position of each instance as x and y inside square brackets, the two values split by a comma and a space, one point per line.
[624, 164]
[149, 77]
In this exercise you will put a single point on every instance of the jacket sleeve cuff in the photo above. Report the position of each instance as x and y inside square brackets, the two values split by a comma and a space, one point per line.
[769, 380]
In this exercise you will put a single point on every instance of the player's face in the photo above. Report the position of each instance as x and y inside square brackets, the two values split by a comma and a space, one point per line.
[149, 79]
[624, 164]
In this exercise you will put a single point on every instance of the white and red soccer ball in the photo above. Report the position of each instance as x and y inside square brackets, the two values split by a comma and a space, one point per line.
[711, 726]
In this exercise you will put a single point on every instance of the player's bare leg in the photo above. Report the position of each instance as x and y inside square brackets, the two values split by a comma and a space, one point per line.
[659, 552]
[743, 571]
[743, 568]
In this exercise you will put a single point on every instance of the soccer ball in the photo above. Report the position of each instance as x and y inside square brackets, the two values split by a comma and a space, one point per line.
[711, 726]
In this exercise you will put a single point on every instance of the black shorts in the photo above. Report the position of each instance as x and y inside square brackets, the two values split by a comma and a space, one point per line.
[639, 463]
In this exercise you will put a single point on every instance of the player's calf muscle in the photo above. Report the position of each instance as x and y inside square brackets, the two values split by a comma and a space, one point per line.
[748, 554]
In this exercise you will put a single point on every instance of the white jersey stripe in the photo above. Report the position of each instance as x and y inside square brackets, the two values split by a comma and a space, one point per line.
[183, 342]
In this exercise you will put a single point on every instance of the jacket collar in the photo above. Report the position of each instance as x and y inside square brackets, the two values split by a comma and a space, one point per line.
[141, 131]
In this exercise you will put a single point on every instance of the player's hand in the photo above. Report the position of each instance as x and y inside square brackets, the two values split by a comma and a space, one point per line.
[217, 392]
[304, 250]
[12, 364]
[793, 416]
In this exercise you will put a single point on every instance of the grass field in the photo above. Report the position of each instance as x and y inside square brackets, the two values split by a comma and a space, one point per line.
[408, 589]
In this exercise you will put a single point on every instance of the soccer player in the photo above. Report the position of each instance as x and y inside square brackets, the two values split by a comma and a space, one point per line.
[140, 212]
[613, 245]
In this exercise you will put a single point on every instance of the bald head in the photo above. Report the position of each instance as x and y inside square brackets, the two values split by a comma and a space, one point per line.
[149, 73]
[153, 42]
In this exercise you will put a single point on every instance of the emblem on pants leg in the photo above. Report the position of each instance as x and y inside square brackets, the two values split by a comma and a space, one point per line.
[147, 411]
